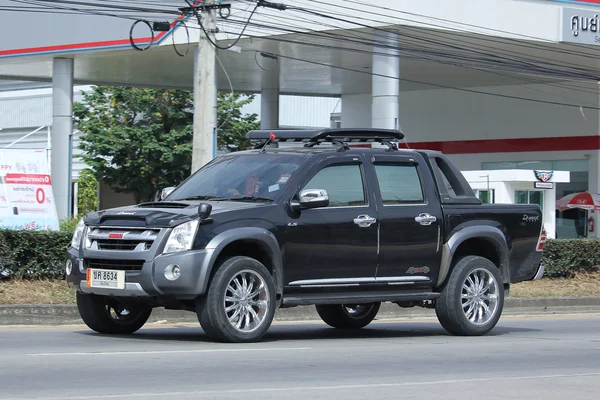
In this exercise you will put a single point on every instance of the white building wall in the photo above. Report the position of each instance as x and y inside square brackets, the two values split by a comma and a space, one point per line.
[300, 111]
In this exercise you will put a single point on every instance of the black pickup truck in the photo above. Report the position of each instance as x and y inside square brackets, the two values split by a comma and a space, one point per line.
[325, 222]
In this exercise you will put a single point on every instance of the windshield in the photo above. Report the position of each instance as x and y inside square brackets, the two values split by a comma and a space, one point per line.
[258, 177]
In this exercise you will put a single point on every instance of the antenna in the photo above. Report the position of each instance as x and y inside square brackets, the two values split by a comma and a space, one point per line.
[271, 138]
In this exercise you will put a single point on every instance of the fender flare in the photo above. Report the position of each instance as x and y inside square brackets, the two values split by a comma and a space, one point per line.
[262, 237]
[489, 233]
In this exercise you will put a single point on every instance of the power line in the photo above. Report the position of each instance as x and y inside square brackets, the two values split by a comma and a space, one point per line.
[424, 56]
[499, 40]
[561, 73]
[459, 59]
[432, 84]
[129, 8]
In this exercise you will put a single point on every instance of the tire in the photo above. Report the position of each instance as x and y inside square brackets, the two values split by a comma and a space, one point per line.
[452, 309]
[96, 313]
[236, 317]
[340, 315]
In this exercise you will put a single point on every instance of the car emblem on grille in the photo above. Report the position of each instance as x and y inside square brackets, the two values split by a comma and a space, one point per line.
[116, 235]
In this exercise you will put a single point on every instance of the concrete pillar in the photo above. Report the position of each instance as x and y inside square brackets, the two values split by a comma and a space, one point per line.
[269, 92]
[354, 112]
[385, 107]
[62, 128]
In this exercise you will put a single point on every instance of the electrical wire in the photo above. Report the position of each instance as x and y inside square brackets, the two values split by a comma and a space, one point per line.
[358, 50]
[471, 67]
[514, 43]
[454, 22]
[505, 41]
[478, 69]
[146, 9]
[432, 84]
[132, 42]
[388, 31]
[207, 36]
[187, 32]
[232, 92]
[542, 69]
[422, 56]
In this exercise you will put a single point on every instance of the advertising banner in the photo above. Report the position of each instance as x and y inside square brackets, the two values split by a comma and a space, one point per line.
[26, 198]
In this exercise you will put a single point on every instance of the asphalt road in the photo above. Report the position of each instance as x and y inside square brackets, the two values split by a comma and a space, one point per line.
[523, 358]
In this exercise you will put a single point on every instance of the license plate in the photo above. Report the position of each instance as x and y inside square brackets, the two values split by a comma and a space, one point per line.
[107, 279]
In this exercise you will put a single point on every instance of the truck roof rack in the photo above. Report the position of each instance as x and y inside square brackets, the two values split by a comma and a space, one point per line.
[340, 136]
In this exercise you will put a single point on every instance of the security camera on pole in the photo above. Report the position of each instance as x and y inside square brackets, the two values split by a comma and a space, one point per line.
[205, 91]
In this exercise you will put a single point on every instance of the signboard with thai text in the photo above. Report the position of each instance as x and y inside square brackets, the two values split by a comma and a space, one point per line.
[579, 26]
[26, 197]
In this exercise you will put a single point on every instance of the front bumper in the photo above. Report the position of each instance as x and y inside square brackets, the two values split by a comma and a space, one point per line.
[150, 281]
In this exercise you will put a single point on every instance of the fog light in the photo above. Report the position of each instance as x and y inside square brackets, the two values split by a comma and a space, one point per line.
[69, 267]
[172, 272]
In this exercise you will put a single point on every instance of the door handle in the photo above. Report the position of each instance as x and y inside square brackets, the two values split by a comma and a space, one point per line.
[364, 221]
[425, 219]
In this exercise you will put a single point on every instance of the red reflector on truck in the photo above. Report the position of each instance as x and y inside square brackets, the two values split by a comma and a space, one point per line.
[542, 241]
[115, 235]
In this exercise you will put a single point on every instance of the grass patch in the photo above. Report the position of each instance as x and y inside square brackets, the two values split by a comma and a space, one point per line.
[581, 285]
[36, 292]
[57, 291]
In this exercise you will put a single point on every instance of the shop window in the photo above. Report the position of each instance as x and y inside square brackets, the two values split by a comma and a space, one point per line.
[486, 196]
[529, 197]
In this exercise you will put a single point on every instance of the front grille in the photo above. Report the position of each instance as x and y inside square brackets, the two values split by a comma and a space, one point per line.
[108, 244]
[117, 265]
[121, 239]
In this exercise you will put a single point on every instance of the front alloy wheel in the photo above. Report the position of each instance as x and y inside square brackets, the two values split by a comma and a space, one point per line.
[246, 301]
[240, 303]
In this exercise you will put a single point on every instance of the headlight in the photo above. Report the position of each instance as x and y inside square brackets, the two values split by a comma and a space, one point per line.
[182, 237]
[76, 240]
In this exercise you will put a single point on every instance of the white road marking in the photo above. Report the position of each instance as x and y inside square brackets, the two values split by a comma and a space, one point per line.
[121, 353]
[304, 388]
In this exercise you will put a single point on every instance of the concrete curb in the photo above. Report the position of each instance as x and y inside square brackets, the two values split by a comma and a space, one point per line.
[49, 315]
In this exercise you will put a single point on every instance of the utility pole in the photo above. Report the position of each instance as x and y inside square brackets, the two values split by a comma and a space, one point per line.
[205, 91]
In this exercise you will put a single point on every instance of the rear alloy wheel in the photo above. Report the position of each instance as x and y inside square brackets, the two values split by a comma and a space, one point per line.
[240, 303]
[472, 301]
[111, 315]
[348, 316]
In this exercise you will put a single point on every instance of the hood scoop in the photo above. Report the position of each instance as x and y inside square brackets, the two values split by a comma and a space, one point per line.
[163, 204]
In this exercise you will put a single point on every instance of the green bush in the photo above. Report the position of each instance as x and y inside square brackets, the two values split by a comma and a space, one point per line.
[566, 257]
[33, 254]
[42, 254]
[68, 225]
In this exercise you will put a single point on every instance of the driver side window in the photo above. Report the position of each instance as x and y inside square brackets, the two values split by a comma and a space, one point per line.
[344, 184]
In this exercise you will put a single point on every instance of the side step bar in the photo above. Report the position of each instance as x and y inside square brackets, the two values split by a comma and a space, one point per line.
[357, 298]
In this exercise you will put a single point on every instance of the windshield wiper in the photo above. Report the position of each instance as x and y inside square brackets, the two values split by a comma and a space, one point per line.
[245, 198]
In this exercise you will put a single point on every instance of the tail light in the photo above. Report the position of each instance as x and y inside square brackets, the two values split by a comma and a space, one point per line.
[542, 240]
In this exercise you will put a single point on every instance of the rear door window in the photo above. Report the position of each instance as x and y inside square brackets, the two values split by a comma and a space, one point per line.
[399, 184]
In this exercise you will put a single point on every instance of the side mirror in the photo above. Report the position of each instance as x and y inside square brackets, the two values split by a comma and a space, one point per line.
[166, 191]
[204, 210]
[311, 198]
